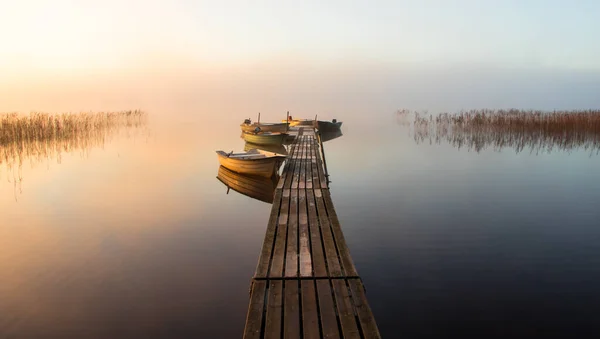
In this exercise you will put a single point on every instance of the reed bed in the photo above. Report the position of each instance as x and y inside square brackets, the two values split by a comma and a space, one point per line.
[538, 131]
[39, 136]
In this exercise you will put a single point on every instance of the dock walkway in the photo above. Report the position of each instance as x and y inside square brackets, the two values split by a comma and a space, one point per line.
[305, 284]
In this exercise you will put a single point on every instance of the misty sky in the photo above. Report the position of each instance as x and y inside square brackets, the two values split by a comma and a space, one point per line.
[369, 46]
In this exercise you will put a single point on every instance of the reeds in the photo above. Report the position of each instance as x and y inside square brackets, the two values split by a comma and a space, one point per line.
[536, 130]
[42, 135]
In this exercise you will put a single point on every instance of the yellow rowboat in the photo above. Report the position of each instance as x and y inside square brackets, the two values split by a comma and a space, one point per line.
[253, 162]
[266, 138]
[258, 127]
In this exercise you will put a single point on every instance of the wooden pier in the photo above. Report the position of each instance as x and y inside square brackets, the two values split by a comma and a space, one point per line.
[306, 285]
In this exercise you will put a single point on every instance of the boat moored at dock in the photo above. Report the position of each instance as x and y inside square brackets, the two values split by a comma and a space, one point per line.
[253, 162]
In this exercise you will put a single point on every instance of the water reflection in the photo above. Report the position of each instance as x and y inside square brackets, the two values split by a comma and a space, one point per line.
[536, 131]
[330, 135]
[256, 187]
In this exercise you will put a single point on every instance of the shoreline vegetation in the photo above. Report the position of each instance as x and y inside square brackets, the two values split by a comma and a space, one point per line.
[536, 130]
[45, 136]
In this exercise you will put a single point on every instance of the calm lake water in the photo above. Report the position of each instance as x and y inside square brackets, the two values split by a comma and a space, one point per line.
[136, 238]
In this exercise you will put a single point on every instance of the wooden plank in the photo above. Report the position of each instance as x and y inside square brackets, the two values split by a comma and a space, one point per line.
[310, 313]
[274, 315]
[255, 310]
[304, 236]
[286, 168]
[329, 324]
[322, 178]
[267, 249]
[290, 170]
[308, 168]
[291, 310]
[291, 261]
[344, 251]
[320, 167]
[315, 172]
[365, 315]
[302, 178]
[331, 255]
[317, 254]
[279, 250]
[345, 309]
[298, 162]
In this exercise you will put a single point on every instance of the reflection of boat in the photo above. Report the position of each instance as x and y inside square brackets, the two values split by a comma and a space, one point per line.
[256, 187]
[330, 135]
[254, 162]
[329, 125]
[271, 148]
[266, 138]
[256, 127]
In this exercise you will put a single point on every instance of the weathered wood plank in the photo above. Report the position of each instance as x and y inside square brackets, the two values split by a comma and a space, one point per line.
[304, 242]
[344, 251]
[286, 167]
[297, 165]
[291, 310]
[320, 167]
[329, 322]
[279, 250]
[308, 169]
[255, 310]
[291, 261]
[302, 179]
[365, 315]
[345, 309]
[331, 255]
[310, 313]
[318, 257]
[289, 174]
[267, 249]
[274, 314]
[316, 181]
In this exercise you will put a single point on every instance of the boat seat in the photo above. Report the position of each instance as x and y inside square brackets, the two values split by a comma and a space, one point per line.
[247, 156]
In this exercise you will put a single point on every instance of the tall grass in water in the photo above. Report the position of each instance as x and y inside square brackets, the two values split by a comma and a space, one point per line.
[42, 136]
[536, 130]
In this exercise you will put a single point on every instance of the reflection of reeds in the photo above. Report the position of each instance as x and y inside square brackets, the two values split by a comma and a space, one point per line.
[40, 136]
[519, 129]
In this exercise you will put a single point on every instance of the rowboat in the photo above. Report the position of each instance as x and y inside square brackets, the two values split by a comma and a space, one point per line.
[299, 122]
[250, 127]
[253, 162]
[270, 148]
[256, 187]
[329, 125]
[266, 138]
